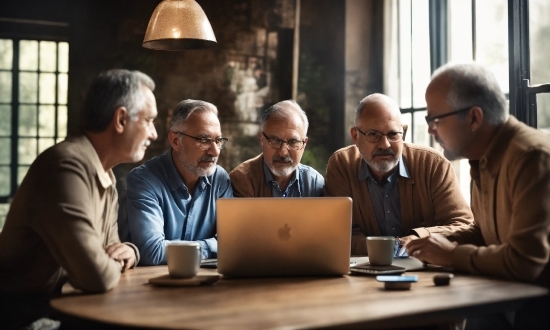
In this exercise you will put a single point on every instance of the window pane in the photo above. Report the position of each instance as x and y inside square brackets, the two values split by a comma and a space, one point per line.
[47, 88]
[543, 112]
[539, 34]
[420, 52]
[406, 119]
[5, 148]
[44, 144]
[47, 56]
[460, 31]
[6, 54]
[62, 87]
[27, 120]
[28, 55]
[62, 121]
[21, 172]
[4, 208]
[27, 150]
[421, 135]
[63, 59]
[404, 51]
[5, 87]
[492, 38]
[5, 121]
[539, 30]
[4, 181]
[46, 117]
[28, 87]
[464, 179]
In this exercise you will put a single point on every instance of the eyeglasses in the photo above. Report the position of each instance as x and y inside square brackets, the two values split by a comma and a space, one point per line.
[433, 121]
[205, 143]
[276, 143]
[375, 137]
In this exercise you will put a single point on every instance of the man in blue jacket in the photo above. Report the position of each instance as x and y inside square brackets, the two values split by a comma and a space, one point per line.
[172, 197]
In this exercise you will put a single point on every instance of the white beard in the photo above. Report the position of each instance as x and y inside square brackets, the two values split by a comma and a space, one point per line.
[383, 166]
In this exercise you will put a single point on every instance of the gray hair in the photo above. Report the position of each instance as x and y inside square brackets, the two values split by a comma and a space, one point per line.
[473, 85]
[185, 108]
[375, 98]
[109, 91]
[278, 111]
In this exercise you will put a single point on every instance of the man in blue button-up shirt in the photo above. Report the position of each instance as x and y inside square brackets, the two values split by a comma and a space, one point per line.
[172, 197]
[277, 172]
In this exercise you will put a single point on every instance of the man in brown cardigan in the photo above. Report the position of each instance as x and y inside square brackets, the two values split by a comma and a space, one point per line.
[277, 171]
[398, 189]
[510, 169]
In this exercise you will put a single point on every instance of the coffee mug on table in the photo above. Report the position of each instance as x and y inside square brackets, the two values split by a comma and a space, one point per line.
[183, 258]
[380, 250]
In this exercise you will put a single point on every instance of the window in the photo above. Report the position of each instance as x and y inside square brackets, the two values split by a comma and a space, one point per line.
[539, 35]
[33, 106]
[478, 30]
[431, 33]
[408, 66]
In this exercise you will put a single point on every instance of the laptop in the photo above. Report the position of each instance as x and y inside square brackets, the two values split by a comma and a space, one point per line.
[305, 236]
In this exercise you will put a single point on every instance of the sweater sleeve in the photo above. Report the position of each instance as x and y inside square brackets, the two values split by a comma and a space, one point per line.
[338, 184]
[524, 252]
[241, 183]
[451, 212]
[70, 233]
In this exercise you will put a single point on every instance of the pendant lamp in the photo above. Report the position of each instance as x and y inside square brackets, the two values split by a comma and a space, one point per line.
[178, 25]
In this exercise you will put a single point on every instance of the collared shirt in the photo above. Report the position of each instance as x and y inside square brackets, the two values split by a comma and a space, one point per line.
[305, 182]
[385, 199]
[160, 209]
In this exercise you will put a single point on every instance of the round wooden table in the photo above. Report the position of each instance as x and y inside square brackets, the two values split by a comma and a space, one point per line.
[308, 302]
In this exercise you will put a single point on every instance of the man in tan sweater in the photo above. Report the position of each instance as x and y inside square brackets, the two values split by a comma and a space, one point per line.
[510, 170]
[62, 223]
[398, 189]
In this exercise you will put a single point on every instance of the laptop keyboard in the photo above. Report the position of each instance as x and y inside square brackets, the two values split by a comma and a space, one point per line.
[209, 263]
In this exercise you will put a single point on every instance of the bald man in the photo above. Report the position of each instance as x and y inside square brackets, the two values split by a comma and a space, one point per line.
[398, 189]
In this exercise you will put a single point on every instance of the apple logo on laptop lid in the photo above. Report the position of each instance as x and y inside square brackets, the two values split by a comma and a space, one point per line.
[284, 232]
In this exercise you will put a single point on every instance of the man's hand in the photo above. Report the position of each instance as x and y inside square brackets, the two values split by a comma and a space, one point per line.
[405, 240]
[401, 242]
[434, 249]
[121, 253]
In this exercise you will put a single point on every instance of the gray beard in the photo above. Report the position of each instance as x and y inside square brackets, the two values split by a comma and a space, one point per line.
[200, 171]
[195, 169]
[282, 172]
[383, 166]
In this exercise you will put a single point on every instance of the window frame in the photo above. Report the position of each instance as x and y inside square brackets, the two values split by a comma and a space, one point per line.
[523, 96]
[17, 30]
[411, 131]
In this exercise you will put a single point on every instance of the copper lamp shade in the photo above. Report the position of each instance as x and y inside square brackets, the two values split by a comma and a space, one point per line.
[178, 25]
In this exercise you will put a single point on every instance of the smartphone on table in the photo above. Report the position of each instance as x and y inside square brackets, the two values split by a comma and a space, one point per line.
[368, 269]
[397, 282]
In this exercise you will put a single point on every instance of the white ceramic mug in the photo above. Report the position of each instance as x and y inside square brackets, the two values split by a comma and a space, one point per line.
[380, 250]
[183, 258]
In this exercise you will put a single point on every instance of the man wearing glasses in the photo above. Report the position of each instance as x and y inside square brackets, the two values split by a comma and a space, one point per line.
[398, 189]
[172, 197]
[510, 170]
[277, 171]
